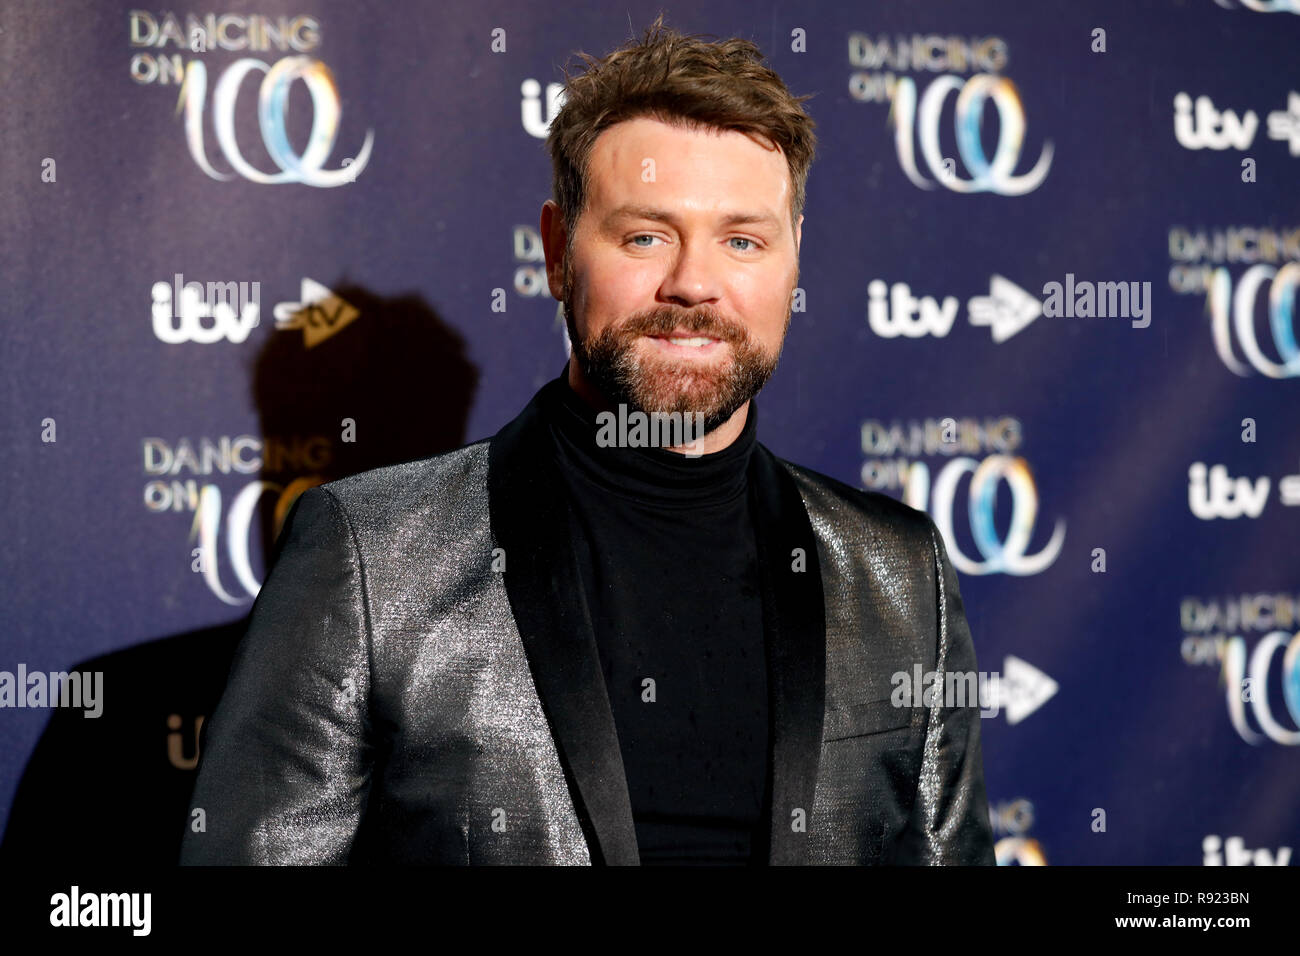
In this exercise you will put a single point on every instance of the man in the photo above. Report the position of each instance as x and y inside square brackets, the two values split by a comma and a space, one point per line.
[555, 646]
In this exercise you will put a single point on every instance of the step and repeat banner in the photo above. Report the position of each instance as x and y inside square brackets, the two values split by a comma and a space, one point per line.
[1048, 287]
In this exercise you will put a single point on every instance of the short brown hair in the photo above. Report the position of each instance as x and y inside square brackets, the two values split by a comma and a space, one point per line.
[682, 81]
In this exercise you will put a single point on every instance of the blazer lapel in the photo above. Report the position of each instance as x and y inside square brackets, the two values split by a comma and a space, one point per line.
[794, 627]
[529, 516]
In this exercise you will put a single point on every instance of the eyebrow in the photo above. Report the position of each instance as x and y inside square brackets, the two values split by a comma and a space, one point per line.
[634, 211]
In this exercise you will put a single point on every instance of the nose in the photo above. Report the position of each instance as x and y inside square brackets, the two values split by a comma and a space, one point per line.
[693, 277]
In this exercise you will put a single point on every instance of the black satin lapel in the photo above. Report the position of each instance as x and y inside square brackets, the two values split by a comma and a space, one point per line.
[794, 627]
[530, 522]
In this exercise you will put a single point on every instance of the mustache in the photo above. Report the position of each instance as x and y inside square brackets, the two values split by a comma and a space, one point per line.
[666, 321]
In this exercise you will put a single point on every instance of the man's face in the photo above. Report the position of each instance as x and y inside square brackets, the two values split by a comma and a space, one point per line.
[677, 284]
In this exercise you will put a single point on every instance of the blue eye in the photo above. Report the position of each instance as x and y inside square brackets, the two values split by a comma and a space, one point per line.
[751, 246]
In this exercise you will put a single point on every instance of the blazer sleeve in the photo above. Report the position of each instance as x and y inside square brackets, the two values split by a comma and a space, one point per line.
[949, 823]
[286, 759]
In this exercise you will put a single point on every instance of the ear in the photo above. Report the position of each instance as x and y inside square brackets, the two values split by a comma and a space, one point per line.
[554, 235]
[798, 234]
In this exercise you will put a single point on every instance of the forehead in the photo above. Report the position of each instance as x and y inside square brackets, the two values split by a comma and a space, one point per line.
[693, 168]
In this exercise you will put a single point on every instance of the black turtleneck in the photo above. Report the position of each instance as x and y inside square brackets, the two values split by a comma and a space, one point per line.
[669, 564]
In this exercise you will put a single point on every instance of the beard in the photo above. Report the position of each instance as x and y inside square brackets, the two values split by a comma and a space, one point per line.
[625, 375]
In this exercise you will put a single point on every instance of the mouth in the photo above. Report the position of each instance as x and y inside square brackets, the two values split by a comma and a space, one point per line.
[681, 342]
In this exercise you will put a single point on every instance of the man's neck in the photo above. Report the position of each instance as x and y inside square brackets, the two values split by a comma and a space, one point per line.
[713, 441]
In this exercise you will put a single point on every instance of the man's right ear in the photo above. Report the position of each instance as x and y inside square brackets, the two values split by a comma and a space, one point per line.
[551, 227]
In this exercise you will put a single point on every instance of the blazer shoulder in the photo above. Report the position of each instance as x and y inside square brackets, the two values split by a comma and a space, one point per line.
[410, 487]
[837, 502]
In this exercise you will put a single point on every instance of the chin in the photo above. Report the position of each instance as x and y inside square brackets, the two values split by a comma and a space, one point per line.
[681, 386]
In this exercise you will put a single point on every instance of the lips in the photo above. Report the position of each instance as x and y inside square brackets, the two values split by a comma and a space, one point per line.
[684, 338]
[688, 347]
[695, 341]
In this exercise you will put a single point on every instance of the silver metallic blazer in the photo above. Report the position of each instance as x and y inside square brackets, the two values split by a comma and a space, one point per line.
[420, 683]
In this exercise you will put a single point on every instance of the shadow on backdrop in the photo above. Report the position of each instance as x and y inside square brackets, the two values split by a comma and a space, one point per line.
[115, 789]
